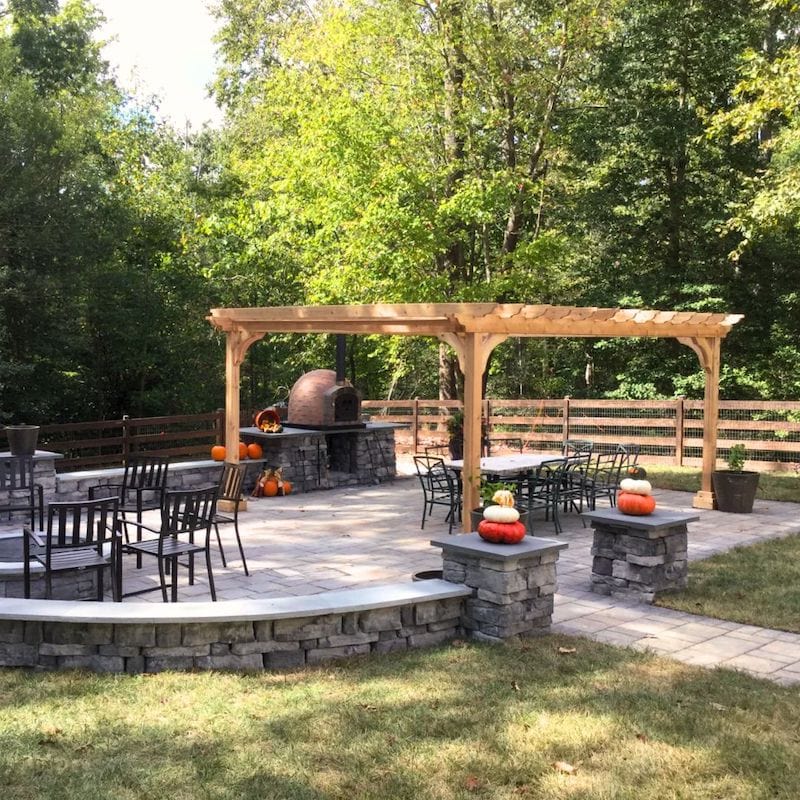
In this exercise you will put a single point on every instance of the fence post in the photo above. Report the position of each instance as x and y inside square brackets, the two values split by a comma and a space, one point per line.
[126, 442]
[565, 425]
[415, 426]
[679, 417]
[219, 425]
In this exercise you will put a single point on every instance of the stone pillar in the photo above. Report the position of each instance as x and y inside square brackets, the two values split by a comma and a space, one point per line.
[636, 557]
[513, 585]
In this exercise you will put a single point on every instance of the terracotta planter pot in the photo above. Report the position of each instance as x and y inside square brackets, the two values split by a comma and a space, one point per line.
[734, 492]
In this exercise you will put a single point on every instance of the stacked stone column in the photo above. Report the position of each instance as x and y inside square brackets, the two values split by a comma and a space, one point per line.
[513, 585]
[636, 557]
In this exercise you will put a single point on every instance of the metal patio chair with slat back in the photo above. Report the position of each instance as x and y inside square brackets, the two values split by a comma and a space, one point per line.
[144, 482]
[21, 491]
[184, 513]
[541, 489]
[440, 487]
[230, 490]
[78, 536]
[603, 476]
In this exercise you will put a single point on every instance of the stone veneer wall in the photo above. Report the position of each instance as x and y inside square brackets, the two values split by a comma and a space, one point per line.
[238, 645]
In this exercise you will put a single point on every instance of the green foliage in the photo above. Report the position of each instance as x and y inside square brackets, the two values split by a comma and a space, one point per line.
[736, 457]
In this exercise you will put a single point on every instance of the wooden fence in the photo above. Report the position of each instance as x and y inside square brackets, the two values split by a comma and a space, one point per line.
[669, 431]
[87, 445]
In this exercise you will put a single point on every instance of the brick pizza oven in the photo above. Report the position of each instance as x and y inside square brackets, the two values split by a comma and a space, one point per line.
[319, 400]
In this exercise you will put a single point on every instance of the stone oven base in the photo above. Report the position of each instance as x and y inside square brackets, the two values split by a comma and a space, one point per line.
[317, 459]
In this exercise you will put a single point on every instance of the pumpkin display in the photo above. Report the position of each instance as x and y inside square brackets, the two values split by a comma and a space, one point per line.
[287, 487]
[637, 505]
[254, 450]
[501, 532]
[218, 452]
[500, 514]
[503, 497]
[270, 487]
[635, 486]
[242, 451]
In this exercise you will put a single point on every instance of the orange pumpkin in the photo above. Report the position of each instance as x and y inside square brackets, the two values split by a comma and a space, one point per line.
[218, 452]
[254, 450]
[287, 487]
[242, 451]
[501, 532]
[637, 505]
[270, 487]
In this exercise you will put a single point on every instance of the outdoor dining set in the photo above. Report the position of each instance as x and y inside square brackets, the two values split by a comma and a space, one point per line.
[109, 525]
[544, 483]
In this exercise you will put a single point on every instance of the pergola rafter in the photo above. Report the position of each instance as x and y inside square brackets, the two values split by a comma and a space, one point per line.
[473, 330]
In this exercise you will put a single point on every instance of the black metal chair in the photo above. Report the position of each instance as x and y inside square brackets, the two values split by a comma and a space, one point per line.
[603, 476]
[230, 490]
[576, 447]
[142, 489]
[21, 492]
[440, 487]
[82, 535]
[541, 490]
[183, 514]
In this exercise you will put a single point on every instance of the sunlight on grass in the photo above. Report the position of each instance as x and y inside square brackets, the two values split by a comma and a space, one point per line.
[755, 585]
[462, 721]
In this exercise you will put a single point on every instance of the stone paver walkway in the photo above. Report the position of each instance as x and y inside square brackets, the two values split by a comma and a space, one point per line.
[350, 537]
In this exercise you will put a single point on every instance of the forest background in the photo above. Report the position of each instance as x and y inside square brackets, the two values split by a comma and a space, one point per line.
[636, 153]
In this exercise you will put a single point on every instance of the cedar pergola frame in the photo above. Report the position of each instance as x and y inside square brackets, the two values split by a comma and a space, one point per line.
[473, 330]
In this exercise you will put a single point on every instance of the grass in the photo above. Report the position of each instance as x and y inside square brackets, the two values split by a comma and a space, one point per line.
[531, 720]
[780, 486]
[755, 585]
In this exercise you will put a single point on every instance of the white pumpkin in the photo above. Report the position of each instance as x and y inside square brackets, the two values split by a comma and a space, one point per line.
[500, 514]
[635, 487]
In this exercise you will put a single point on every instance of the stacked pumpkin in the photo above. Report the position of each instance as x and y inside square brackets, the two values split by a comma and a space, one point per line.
[635, 494]
[500, 523]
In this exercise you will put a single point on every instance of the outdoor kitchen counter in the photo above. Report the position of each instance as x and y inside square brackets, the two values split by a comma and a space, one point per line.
[323, 459]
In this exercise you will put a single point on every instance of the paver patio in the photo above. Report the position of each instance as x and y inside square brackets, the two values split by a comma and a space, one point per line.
[351, 537]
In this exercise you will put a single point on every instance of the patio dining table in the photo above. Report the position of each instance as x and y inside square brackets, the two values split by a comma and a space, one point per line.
[506, 465]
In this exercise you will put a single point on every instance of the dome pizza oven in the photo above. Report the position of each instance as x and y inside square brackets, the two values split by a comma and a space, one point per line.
[320, 401]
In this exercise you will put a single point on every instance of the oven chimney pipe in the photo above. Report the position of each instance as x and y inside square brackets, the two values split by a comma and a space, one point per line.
[341, 353]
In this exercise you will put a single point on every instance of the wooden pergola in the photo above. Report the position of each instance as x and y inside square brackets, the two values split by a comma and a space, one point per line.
[473, 330]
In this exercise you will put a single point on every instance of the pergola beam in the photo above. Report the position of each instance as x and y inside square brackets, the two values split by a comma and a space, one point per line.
[474, 330]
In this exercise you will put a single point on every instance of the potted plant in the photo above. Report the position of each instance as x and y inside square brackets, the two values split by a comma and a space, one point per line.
[455, 428]
[735, 488]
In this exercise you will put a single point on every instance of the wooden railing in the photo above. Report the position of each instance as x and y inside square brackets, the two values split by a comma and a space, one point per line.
[668, 431]
[108, 443]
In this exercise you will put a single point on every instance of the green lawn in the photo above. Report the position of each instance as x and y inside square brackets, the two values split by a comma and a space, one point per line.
[771, 485]
[532, 720]
[755, 585]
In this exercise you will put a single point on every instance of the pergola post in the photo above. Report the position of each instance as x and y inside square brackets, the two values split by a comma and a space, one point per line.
[237, 343]
[473, 351]
[708, 351]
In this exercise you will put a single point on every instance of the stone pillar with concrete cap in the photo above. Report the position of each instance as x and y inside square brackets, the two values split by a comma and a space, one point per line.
[513, 584]
[637, 556]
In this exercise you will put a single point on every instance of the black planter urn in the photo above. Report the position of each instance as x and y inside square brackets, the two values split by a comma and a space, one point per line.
[22, 439]
[734, 492]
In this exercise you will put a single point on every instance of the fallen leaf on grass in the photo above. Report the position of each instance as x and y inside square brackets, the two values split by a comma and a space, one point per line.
[368, 707]
[642, 737]
[458, 643]
[472, 784]
[718, 707]
[515, 686]
[565, 767]
[566, 651]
